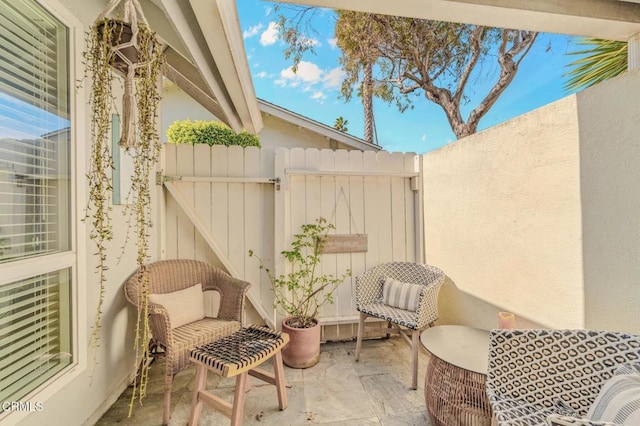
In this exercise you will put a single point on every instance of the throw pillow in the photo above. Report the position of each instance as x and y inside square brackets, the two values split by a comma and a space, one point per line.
[184, 306]
[618, 401]
[401, 295]
[628, 368]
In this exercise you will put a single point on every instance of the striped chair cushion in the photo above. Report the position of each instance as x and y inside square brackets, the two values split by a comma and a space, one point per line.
[401, 295]
[618, 401]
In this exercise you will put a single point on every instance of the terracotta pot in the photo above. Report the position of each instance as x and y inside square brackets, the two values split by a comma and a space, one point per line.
[303, 350]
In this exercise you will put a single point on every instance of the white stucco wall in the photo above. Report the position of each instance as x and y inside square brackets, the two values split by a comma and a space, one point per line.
[502, 219]
[539, 215]
[609, 125]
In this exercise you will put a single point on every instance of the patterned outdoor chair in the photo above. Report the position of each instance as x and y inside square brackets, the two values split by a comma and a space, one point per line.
[564, 377]
[176, 311]
[405, 295]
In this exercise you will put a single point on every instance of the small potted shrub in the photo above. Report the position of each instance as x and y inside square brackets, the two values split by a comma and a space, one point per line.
[301, 292]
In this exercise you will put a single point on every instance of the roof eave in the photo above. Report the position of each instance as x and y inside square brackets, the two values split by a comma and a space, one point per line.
[607, 19]
[316, 127]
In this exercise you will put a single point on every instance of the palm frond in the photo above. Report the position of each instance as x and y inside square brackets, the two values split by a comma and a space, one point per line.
[600, 60]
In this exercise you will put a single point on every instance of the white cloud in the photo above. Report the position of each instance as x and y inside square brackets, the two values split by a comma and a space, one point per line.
[262, 74]
[318, 96]
[333, 42]
[334, 77]
[268, 10]
[424, 137]
[252, 31]
[270, 35]
[308, 72]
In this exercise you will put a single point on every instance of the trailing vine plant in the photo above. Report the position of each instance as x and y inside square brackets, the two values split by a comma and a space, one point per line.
[130, 52]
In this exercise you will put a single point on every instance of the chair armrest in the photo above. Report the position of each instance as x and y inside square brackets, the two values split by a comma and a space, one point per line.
[560, 420]
[427, 311]
[368, 288]
[160, 324]
[232, 296]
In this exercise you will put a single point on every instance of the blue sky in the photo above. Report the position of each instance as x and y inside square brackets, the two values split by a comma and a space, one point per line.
[314, 90]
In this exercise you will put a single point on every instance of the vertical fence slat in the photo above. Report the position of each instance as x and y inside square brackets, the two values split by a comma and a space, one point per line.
[171, 218]
[202, 195]
[385, 235]
[371, 210]
[253, 217]
[356, 201]
[186, 230]
[219, 198]
[236, 211]
[398, 216]
[343, 226]
[328, 202]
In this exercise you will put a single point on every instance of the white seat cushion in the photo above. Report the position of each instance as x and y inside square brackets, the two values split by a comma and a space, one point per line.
[184, 306]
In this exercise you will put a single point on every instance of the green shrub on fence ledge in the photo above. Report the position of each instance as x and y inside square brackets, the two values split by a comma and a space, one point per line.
[209, 132]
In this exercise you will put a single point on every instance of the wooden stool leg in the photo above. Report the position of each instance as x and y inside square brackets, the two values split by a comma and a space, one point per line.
[281, 386]
[415, 342]
[196, 403]
[238, 399]
[360, 333]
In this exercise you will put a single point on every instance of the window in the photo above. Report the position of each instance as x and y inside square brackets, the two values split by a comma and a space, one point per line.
[35, 201]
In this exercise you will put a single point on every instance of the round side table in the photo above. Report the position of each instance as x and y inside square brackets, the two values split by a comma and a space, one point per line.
[454, 387]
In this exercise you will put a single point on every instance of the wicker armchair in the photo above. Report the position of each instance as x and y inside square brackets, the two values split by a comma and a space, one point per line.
[168, 276]
[369, 302]
[540, 376]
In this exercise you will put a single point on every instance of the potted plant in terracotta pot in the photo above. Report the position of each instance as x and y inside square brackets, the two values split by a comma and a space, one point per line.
[301, 292]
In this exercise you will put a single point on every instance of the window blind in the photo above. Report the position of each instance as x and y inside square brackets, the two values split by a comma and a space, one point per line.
[35, 202]
[34, 132]
[34, 332]
[29, 40]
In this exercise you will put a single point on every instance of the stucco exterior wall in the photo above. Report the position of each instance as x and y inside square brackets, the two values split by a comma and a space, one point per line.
[539, 215]
[503, 220]
[609, 126]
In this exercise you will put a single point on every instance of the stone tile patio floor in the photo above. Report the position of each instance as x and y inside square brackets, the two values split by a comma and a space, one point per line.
[337, 391]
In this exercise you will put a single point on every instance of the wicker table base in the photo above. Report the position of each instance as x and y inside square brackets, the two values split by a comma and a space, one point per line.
[454, 387]
[455, 396]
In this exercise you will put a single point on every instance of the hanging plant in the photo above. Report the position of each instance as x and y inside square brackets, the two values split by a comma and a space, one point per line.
[127, 52]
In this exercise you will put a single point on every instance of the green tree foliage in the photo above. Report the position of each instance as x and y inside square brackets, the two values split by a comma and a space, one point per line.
[341, 124]
[599, 60]
[393, 57]
[209, 132]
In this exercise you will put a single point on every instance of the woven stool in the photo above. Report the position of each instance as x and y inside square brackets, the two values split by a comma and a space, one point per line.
[238, 355]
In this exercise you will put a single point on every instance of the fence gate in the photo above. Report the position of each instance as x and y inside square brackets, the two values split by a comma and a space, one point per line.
[224, 201]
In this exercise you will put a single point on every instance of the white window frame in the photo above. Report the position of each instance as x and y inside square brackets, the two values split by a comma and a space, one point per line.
[76, 257]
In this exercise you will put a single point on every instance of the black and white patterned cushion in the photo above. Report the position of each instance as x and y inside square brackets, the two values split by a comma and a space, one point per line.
[530, 370]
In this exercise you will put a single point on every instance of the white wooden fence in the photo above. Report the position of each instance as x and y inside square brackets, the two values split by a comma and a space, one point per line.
[225, 201]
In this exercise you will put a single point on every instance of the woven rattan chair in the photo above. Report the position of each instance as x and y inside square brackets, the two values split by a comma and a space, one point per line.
[369, 302]
[534, 375]
[167, 276]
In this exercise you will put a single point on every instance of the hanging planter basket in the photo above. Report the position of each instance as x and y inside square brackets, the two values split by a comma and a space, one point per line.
[125, 53]
[118, 34]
